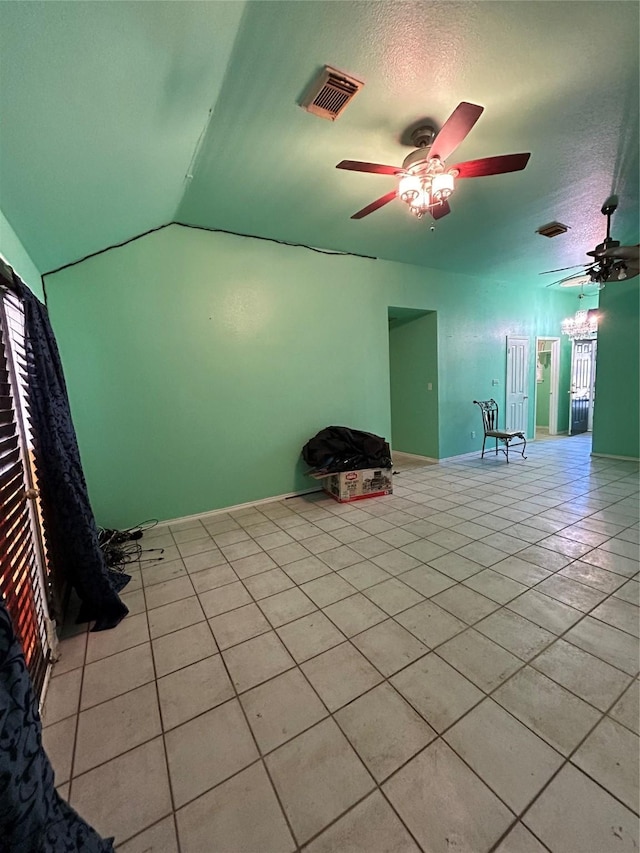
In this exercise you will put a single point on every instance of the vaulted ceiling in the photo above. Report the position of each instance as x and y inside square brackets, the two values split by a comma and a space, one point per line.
[118, 117]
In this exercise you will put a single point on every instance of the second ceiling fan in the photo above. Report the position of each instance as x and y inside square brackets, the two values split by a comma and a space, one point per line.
[426, 183]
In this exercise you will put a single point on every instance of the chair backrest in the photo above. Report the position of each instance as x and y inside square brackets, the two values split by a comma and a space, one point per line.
[489, 409]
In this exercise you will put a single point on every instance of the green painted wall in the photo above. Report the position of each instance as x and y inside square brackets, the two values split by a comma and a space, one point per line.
[16, 255]
[413, 364]
[616, 417]
[543, 389]
[199, 363]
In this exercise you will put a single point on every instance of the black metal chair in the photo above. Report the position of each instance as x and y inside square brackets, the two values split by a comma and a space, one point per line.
[489, 409]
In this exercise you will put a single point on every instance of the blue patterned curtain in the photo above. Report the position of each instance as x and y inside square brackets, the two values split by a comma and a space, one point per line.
[33, 816]
[72, 534]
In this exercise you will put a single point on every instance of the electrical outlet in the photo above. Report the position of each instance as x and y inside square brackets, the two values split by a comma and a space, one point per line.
[429, 386]
[495, 381]
[473, 433]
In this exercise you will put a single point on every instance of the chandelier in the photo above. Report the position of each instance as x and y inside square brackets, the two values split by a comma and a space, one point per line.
[582, 326]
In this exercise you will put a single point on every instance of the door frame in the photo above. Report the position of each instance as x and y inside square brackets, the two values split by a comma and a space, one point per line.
[554, 382]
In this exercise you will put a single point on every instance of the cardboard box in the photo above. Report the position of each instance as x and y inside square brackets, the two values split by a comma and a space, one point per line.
[356, 485]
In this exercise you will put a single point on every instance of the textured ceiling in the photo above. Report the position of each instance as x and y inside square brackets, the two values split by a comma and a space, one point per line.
[103, 105]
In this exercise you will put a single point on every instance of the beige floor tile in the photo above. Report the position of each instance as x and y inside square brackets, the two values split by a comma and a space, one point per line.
[183, 647]
[281, 708]
[288, 554]
[320, 542]
[426, 580]
[394, 562]
[495, 586]
[430, 623]
[610, 756]
[443, 803]
[212, 578]
[574, 814]
[127, 794]
[606, 642]
[161, 572]
[456, 566]
[242, 814]
[520, 840]
[340, 674]
[513, 761]
[168, 591]
[550, 614]
[286, 606]
[116, 674]
[310, 635]
[393, 596]
[224, 598]
[268, 583]
[63, 697]
[159, 838]
[384, 730]
[592, 576]
[437, 691]
[254, 564]
[205, 560]
[515, 633]
[482, 661]
[521, 571]
[318, 776]
[363, 575]
[327, 589]
[588, 677]
[465, 603]
[612, 562]
[192, 690]
[58, 741]
[354, 614]
[620, 614]
[257, 660]
[389, 647]
[627, 708]
[570, 592]
[132, 631]
[171, 617]
[549, 710]
[307, 569]
[240, 550]
[371, 826]
[134, 601]
[109, 729]
[207, 750]
[629, 591]
[234, 627]
[71, 654]
[424, 550]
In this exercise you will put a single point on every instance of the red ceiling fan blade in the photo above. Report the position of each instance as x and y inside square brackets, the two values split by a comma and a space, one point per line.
[440, 210]
[455, 129]
[491, 165]
[376, 168]
[375, 205]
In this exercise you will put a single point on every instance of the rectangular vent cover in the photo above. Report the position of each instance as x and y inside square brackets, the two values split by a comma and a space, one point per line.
[330, 93]
[552, 229]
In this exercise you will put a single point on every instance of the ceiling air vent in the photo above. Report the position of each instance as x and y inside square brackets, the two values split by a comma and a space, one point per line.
[552, 229]
[330, 93]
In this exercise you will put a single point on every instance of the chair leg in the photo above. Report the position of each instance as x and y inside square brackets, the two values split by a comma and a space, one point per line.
[496, 446]
[506, 452]
[483, 443]
[524, 447]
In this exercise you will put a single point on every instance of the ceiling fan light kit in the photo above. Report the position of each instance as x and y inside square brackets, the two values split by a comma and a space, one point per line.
[612, 262]
[425, 182]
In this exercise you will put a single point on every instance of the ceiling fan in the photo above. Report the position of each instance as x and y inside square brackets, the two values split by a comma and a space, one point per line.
[426, 183]
[613, 262]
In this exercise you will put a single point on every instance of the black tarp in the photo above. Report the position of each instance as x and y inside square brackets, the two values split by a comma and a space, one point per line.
[337, 448]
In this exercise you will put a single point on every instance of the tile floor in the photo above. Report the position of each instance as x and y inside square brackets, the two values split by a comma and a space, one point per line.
[451, 669]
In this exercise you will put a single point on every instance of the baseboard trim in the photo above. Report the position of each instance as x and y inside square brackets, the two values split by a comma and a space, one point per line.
[211, 513]
[415, 456]
[613, 456]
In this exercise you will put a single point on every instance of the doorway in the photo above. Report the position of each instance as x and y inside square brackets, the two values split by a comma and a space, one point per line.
[582, 393]
[517, 392]
[413, 375]
[547, 385]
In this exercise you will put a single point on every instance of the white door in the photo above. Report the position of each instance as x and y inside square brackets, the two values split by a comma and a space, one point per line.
[517, 392]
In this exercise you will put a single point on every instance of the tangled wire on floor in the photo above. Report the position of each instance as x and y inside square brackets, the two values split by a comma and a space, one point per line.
[120, 548]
